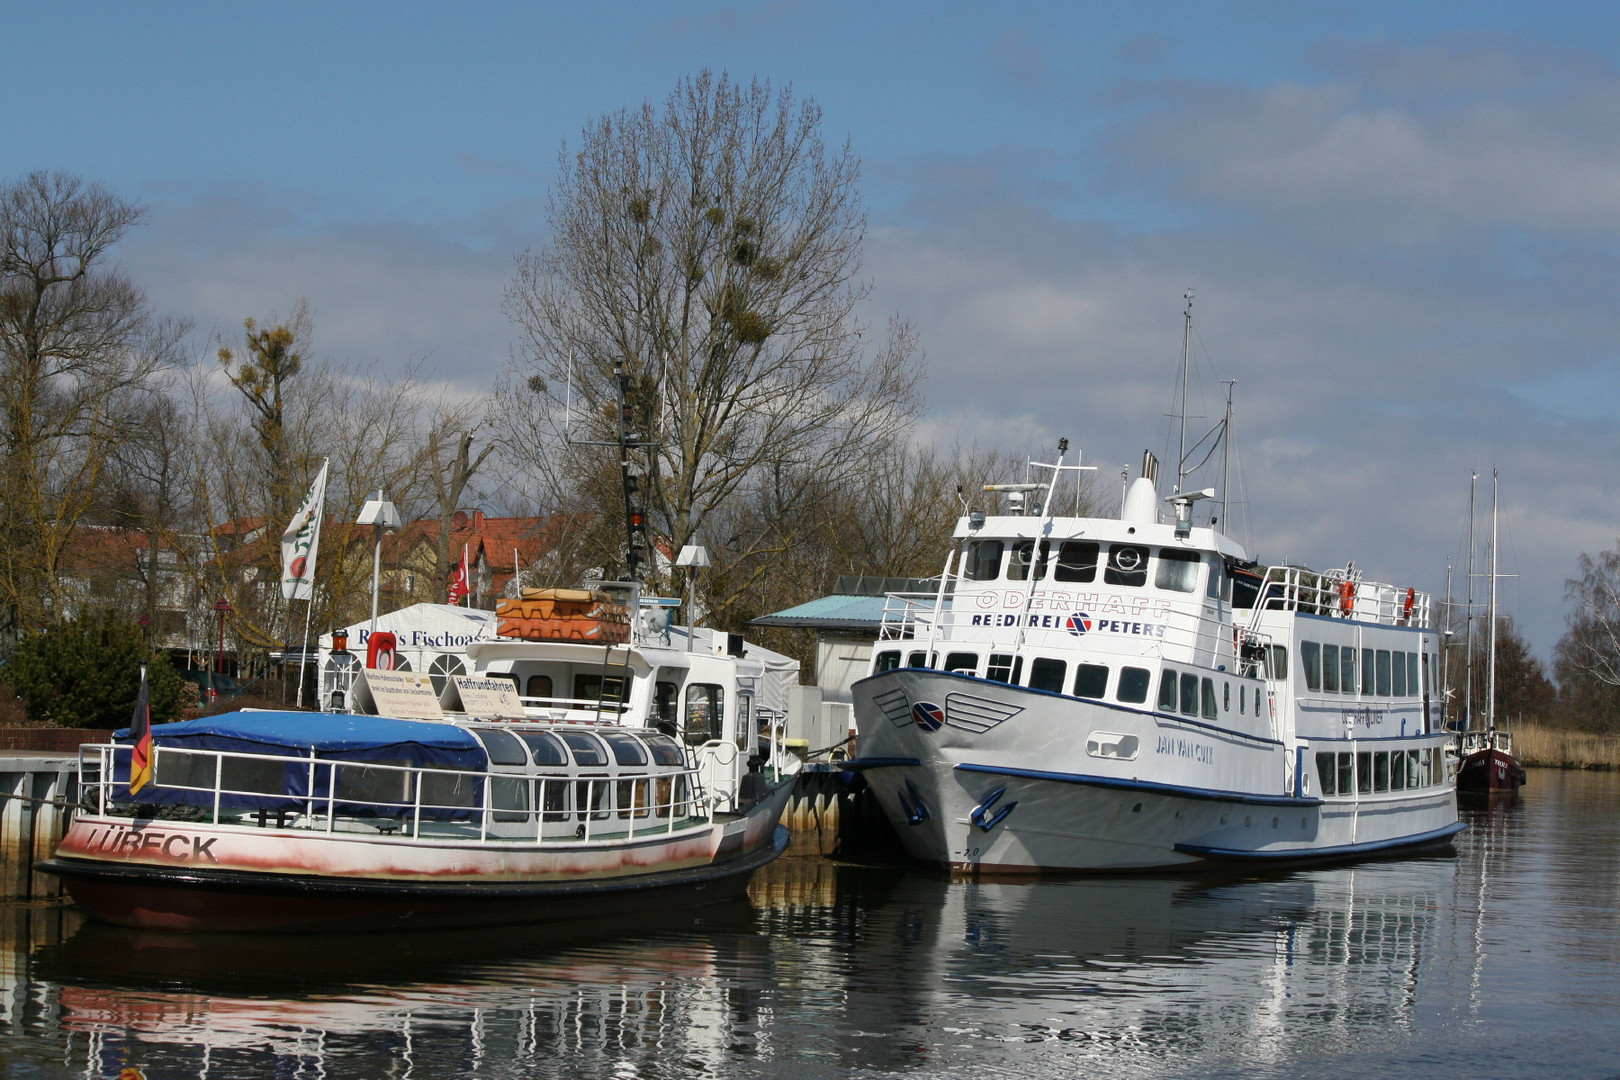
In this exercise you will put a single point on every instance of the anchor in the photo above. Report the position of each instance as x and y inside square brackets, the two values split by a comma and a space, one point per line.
[914, 808]
[981, 815]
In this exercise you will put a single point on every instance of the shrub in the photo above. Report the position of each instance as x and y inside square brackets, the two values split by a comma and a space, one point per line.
[87, 673]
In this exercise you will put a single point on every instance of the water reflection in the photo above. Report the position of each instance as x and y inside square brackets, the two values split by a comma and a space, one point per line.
[1501, 951]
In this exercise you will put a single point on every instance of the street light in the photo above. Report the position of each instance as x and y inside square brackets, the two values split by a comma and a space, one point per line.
[380, 513]
[223, 607]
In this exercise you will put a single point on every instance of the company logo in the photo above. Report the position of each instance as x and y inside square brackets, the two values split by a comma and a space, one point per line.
[929, 717]
[1078, 623]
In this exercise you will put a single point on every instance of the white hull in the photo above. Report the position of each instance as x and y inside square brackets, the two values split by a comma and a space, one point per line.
[1190, 794]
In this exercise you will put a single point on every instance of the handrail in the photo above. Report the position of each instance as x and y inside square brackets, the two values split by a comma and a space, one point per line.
[677, 809]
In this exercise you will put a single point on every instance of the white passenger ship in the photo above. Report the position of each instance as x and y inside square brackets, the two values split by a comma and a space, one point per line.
[1094, 694]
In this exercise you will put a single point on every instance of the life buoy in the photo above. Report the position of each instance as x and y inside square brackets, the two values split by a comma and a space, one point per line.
[380, 653]
[1408, 603]
[1347, 596]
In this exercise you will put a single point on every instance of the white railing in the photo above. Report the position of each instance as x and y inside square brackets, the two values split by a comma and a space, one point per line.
[421, 804]
[1340, 593]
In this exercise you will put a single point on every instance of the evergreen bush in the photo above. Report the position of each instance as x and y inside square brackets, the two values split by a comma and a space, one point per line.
[87, 673]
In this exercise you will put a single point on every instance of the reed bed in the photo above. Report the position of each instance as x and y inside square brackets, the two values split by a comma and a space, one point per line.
[1559, 748]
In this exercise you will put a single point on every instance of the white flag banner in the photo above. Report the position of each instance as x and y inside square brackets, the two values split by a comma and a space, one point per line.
[300, 541]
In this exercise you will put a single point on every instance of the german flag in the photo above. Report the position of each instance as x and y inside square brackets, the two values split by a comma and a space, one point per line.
[140, 733]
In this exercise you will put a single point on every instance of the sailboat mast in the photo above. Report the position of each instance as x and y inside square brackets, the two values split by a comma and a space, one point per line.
[1468, 616]
[1226, 450]
[1490, 670]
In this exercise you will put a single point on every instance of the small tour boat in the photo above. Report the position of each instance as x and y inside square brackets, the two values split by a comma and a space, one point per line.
[1134, 693]
[313, 822]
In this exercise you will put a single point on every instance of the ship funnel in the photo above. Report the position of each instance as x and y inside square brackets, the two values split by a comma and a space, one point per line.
[1141, 503]
[1150, 467]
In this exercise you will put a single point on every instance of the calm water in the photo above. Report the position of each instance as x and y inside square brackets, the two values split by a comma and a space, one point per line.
[1502, 961]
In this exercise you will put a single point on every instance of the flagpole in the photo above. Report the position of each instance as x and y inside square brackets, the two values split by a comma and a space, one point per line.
[303, 650]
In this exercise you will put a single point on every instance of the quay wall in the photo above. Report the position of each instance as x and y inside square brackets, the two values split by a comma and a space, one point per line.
[36, 790]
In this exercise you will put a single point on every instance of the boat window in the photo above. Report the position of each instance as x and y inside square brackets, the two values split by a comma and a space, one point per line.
[1004, 667]
[1189, 694]
[509, 798]
[1381, 771]
[983, 560]
[1310, 654]
[965, 662]
[665, 751]
[633, 798]
[594, 794]
[917, 659]
[1047, 674]
[594, 688]
[1217, 584]
[544, 747]
[539, 686]
[446, 789]
[1243, 698]
[554, 799]
[587, 749]
[1210, 711]
[1414, 770]
[371, 783]
[1133, 684]
[627, 749]
[1325, 773]
[886, 661]
[1367, 671]
[670, 793]
[1167, 691]
[1018, 564]
[1177, 570]
[1347, 669]
[182, 768]
[1330, 668]
[1226, 697]
[1364, 771]
[503, 747]
[1277, 662]
[1412, 674]
[1127, 565]
[1381, 667]
[1091, 681]
[1347, 773]
[250, 774]
[1076, 561]
[705, 713]
[665, 695]
[1398, 683]
[1397, 771]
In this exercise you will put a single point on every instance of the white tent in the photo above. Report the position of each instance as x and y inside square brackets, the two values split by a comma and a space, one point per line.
[431, 638]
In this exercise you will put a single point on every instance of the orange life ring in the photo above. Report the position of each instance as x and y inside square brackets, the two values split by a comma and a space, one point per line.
[1406, 606]
[1347, 597]
[380, 651]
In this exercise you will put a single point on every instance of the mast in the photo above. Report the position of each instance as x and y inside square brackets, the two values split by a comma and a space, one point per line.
[1186, 341]
[1468, 616]
[1226, 450]
[1490, 669]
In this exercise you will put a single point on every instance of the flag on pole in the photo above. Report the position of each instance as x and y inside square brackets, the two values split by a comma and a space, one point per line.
[300, 541]
[460, 578]
[140, 733]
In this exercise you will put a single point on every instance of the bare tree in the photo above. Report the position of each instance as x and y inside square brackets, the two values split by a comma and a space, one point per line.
[1587, 658]
[710, 250]
[77, 344]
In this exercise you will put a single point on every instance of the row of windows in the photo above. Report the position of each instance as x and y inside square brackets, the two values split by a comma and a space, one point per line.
[1125, 565]
[590, 750]
[1178, 691]
[1366, 771]
[513, 799]
[1192, 695]
[1384, 672]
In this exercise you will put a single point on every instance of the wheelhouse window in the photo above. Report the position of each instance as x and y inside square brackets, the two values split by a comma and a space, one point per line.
[1347, 669]
[1367, 671]
[1177, 571]
[1398, 671]
[594, 688]
[1189, 694]
[1208, 699]
[1127, 566]
[1326, 773]
[1133, 685]
[983, 560]
[1412, 683]
[1022, 552]
[1047, 674]
[1167, 691]
[705, 712]
[538, 686]
[965, 662]
[665, 696]
[1381, 668]
[1076, 561]
[1277, 662]
[1330, 669]
[1091, 681]
[886, 661]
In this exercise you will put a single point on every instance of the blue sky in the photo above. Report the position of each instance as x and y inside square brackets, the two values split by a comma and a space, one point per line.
[1402, 220]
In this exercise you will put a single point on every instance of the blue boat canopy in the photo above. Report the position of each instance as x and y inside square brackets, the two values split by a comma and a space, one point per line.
[340, 736]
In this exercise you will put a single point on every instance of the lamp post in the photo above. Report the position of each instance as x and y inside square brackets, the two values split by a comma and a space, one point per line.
[223, 607]
[380, 514]
[145, 623]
